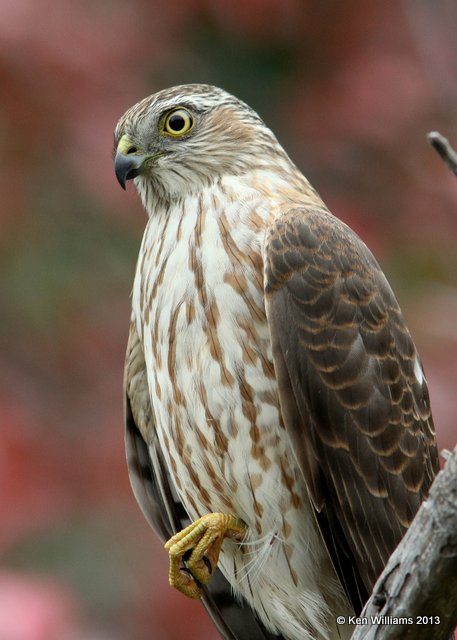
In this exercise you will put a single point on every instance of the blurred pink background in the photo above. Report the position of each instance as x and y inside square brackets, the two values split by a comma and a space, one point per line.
[350, 88]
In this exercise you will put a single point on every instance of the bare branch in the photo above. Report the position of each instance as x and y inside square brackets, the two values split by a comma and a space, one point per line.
[442, 146]
[419, 583]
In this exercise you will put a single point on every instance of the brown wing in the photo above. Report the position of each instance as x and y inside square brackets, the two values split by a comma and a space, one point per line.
[160, 504]
[353, 398]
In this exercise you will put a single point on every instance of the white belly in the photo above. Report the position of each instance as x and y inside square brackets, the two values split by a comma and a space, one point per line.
[215, 401]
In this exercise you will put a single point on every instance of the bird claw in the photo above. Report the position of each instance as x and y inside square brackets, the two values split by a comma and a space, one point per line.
[194, 551]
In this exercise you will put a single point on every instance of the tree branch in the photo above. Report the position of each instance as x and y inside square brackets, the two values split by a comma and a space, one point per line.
[420, 579]
[442, 146]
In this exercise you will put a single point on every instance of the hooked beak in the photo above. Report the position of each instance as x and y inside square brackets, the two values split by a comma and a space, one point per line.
[128, 163]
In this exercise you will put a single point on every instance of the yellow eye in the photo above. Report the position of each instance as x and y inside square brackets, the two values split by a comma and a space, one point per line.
[178, 122]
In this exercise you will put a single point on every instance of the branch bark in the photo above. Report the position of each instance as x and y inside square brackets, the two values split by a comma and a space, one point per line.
[419, 582]
[442, 146]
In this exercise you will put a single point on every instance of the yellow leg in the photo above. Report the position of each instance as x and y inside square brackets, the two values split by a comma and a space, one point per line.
[194, 551]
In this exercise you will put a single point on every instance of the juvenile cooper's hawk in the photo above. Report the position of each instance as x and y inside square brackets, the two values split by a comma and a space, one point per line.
[274, 397]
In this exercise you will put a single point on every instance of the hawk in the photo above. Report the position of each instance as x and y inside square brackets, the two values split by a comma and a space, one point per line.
[278, 423]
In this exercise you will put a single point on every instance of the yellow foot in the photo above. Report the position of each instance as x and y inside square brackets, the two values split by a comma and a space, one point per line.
[194, 551]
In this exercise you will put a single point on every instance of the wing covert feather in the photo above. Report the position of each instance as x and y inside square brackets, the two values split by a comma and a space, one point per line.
[353, 396]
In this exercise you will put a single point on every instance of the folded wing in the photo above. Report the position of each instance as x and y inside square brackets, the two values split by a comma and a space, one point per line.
[353, 394]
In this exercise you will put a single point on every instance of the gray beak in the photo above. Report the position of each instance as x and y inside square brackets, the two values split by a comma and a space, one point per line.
[127, 167]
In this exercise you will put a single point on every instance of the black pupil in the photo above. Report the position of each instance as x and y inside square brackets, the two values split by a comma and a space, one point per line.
[176, 122]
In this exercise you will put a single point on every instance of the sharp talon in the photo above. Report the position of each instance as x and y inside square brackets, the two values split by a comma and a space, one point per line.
[207, 564]
[198, 547]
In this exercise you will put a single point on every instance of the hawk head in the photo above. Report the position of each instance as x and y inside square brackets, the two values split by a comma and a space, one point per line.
[183, 138]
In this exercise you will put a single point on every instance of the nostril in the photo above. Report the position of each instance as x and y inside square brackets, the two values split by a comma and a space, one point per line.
[131, 150]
